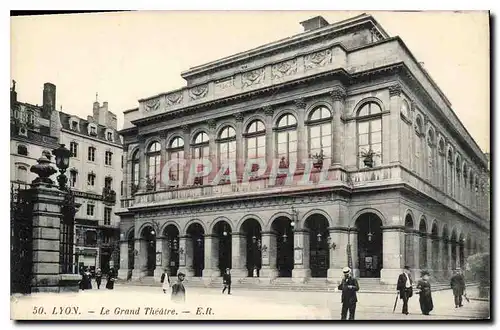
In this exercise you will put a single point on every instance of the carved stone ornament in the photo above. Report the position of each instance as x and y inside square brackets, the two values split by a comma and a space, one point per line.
[413, 106]
[152, 105]
[198, 92]
[174, 98]
[318, 59]
[338, 94]
[238, 116]
[185, 128]
[300, 103]
[284, 69]
[211, 123]
[254, 77]
[395, 90]
[268, 110]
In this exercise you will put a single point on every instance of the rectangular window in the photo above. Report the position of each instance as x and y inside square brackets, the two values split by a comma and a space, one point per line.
[93, 130]
[110, 136]
[91, 179]
[74, 125]
[121, 188]
[73, 176]
[90, 210]
[91, 154]
[73, 147]
[108, 158]
[108, 183]
[107, 216]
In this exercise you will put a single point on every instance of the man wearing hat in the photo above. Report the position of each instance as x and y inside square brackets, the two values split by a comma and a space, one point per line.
[405, 288]
[178, 290]
[457, 284]
[349, 285]
[226, 280]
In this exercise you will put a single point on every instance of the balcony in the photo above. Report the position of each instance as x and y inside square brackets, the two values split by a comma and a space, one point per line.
[108, 195]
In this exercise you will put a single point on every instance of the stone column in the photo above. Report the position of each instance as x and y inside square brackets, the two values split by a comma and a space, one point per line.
[186, 250]
[238, 255]
[213, 155]
[392, 253]
[428, 241]
[142, 164]
[140, 256]
[440, 271]
[240, 146]
[302, 152]
[338, 253]
[123, 271]
[449, 263]
[160, 254]
[269, 255]
[338, 95]
[46, 220]
[301, 269]
[163, 158]
[352, 241]
[457, 253]
[417, 253]
[270, 153]
[125, 175]
[187, 154]
[211, 252]
[395, 124]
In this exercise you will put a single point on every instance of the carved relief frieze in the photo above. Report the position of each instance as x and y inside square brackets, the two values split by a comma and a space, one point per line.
[174, 98]
[223, 85]
[284, 69]
[252, 78]
[152, 105]
[318, 59]
[198, 92]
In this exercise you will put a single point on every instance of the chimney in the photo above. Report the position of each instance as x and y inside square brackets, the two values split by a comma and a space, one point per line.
[49, 99]
[314, 23]
[13, 94]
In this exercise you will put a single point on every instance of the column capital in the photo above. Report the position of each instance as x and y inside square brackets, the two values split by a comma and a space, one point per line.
[185, 128]
[163, 134]
[393, 228]
[141, 139]
[211, 123]
[269, 233]
[395, 90]
[300, 103]
[238, 234]
[338, 94]
[238, 116]
[184, 236]
[301, 231]
[268, 110]
[340, 229]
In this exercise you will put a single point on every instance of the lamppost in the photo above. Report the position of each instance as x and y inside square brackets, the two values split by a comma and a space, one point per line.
[62, 155]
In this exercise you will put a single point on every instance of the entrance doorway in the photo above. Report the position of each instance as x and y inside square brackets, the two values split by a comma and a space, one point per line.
[318, 245]
[197, 234]
[284, 240]
[252, 231]
[149, 237]
[131, 255]
[172, 235]
[370, 246]
[222, 233]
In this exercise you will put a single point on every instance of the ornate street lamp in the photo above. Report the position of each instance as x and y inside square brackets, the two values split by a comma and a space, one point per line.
[62, 155]
[224, 233]
[370, 234]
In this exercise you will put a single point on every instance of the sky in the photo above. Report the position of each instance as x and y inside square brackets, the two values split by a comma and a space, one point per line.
[132, 55]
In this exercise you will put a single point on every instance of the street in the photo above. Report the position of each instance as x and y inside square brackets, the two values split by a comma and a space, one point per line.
[150, 303]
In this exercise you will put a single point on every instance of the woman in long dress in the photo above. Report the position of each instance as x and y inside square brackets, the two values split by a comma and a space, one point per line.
[424, 286]
[110, 284]
[165, 280]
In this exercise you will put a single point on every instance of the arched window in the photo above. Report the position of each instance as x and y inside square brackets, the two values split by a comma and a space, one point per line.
[200, 151]
[22, 150]
[176, 153]
[320, 132]
[450, 171]
[286, 138]
[22, 174]
[154, 169]
[418, 144]
[135, 172]
[431, 142]
[256, 140]
[369, 125]
[227, 145]
[442, 164]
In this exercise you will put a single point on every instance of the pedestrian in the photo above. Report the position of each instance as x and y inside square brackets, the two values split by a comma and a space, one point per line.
[110, 283]
[98, 278]
[165, 280]
[348, 285]
[226, 280]
[87, 280]
[405, 288]
[457, 284]
[424, 287]
[178, 290]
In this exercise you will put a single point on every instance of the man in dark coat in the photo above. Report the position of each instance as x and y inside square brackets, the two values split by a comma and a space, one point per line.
[405, 288]
[457, 284]
[349, 286]
[178, 290]
[226, 280]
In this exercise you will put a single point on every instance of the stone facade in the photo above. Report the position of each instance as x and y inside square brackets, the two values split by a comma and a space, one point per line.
[421, 199]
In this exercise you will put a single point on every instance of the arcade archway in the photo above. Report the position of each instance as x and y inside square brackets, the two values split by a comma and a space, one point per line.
[171, 234]
[284, 241]
[149, 248]
[223, 243]
[196, 233]
[370, 246]
[252, 231]
[318, 245]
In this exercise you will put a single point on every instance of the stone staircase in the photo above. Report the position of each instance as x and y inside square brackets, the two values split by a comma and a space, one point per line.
[283, 284]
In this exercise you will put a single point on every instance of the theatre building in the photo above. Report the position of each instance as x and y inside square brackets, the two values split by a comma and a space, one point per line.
[405, 182]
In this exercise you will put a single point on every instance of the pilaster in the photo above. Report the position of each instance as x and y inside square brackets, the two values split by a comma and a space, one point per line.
[301, 270]
[392, 253]
[300, 105]
[338, 95]
[269, 255]
[142, 164]
[186, 250]
[338, 253]
[123, 271]
[211, 251]
[395, 123]
[238, 255]
[269, 111]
